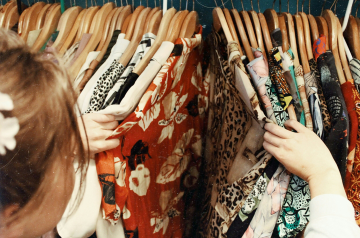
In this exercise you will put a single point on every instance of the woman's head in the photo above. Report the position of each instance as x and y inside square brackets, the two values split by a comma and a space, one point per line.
[36, 176]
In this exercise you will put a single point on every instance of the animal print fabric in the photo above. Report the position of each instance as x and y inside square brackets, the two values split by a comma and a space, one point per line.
[229, 134]
[146, 178]
[104, 85]
[113, 97]
[324, 110]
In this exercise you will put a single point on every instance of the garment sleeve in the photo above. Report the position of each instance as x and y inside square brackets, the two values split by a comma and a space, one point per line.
[332, 216]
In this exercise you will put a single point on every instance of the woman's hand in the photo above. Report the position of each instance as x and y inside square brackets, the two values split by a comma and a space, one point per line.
[305, 155]
[98, 127]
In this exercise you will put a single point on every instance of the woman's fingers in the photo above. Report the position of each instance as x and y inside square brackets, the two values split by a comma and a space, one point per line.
[278, 131]
[109, 125]
[271, 148]
[297, 126]
[272, 139]
[101, 118]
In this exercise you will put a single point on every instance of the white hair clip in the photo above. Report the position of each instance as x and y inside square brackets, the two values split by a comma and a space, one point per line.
[9, 127]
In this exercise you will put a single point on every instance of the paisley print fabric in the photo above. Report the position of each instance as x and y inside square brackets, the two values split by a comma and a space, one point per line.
[278, 78]
[347, 90]
[299, 75]
[337, 140]
[259, 71]
[355, 72]
[145, 179]
[314, 103]
[324, 111]
[353, 192]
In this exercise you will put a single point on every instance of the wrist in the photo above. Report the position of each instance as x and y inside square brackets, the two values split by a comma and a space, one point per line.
[327, 182]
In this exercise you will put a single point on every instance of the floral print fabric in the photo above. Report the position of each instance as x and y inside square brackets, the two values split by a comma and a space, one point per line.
[353, 190]
[157, 162]
[349, 96]
[314, 103]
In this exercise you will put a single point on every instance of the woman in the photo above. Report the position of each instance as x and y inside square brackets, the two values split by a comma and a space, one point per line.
[39, 131]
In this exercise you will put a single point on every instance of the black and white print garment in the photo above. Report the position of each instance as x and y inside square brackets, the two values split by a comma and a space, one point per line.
[143, 47]
[355, 72]
[104, 85]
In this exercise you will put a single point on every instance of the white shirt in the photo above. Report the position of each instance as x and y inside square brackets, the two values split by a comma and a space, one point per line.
[82, 221]
[91, 56]
[331, 216]
[135, 93]
[116, 52]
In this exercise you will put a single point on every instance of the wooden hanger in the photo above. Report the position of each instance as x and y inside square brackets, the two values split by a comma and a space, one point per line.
[21, 20]
[4, 9]
[351, 35]
[138, 32]
[257, 27]
[133, 21]
[86, 22]
[12, 18]
[265, 31]
[190, 25]
[49, 27]
[125, 25]
[123, 15]
[66, 22]
[341, 47]
[292, 37]
[106, 28]
[7, 10]
[72, 34]
[219, 22]
[51, 8]
[149, 17]
[161, 36]
[284, 32]
[154, 23]
[313, 26]
[332, 26]
[323, 29]
[242, 33]
[307, 36]
[176, 22]
[30, 19]
[301, 43]
[231, 26]
[249, 28]
[271, 19]
[94, 40]
[41, 16]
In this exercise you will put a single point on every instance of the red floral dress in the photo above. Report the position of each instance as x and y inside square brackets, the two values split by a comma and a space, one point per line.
[158, 160]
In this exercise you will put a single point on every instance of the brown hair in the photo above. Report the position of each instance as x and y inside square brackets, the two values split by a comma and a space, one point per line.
[44, 103]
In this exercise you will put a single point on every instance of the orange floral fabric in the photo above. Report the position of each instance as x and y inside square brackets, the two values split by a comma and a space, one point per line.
[353, 192]
[159, 156]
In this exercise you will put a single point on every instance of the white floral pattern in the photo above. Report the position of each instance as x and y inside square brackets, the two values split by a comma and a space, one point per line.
[9, 127]
[139, 180]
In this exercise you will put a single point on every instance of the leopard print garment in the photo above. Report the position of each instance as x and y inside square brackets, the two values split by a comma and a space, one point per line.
[324, 110]
[104, 85]
[230, 124]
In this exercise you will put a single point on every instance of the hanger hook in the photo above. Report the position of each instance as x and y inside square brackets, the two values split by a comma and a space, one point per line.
[302, 6]
[273, 7]
[322, 8]
[193, 5]
[180, 6]
[232, 3]
[280, 6]
[297, 7]
[259, 5]
[223, 3]
[332, 4]
[242, 5]
[172, 3]
[215, 3]
[309, 6]
[252, 6]
[357, 9]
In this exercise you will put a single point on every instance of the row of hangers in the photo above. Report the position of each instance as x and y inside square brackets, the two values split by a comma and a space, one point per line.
[167, 24]
[252, 30]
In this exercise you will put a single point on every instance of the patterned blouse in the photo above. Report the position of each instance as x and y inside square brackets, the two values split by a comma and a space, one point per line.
[149, 177]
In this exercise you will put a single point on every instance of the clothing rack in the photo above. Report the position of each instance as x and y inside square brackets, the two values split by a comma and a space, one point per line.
[205, 7]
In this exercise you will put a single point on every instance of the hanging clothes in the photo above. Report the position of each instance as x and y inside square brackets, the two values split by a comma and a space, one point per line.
[152, 172]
